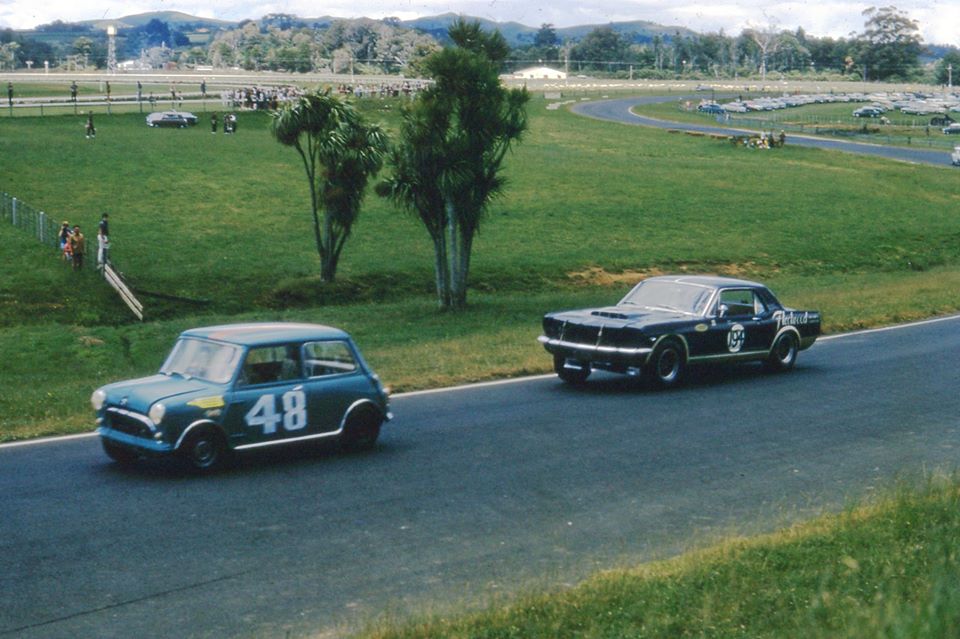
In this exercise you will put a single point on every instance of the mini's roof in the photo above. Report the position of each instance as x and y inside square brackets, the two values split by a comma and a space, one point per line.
[715, 281]
[266, 333]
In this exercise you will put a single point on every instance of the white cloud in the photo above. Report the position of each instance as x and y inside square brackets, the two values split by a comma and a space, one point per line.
[938, 19]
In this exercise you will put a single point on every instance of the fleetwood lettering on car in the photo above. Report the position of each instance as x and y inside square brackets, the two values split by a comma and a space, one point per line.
[244, 386]
[666, 323]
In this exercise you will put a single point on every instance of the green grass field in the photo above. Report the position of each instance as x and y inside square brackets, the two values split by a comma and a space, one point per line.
[589, 209]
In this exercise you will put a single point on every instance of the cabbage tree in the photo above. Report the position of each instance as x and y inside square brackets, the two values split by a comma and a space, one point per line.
[340, 153]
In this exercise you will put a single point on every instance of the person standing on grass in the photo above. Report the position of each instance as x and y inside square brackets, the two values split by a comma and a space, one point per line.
[64, 237]
[10, 93]
[213, 123]
[105, 224]
[73, 91]
[78, 245]
[91, 131]
[103, 249]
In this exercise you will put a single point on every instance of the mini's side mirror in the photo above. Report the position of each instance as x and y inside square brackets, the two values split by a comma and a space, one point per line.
[723, 310]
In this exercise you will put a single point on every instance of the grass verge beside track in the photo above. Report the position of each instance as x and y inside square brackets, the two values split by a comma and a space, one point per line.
[888, 569]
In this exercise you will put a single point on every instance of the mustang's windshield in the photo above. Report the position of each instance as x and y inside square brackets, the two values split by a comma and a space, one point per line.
[670, 296]
[210, 361]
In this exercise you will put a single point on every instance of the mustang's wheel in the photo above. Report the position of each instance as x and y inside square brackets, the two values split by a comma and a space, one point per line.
[361, 431]
[667, 363]
[204, 450]
[118, 453]
[783, 355]
[573, 372]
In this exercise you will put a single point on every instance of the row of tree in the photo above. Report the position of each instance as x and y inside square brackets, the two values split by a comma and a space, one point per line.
[888, 48]
[446, 164]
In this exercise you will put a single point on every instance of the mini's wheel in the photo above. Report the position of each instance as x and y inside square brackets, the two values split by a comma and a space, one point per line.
[783, 355]
[571, 371]
[361, 430]
[204, 450]
[667, 364]
[118, 453]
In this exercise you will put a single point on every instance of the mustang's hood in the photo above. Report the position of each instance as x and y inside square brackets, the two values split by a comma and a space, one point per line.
[620, 316]
[139, 394]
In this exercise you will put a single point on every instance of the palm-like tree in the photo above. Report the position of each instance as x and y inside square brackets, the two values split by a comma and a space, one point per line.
[340, 154]
[447, 166]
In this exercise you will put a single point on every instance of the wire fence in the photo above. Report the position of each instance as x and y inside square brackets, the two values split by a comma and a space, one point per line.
[45, 229]
[29, 219]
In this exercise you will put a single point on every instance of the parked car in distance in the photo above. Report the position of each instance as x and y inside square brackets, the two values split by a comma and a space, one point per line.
[244, 386]
[941, 120]
[710, 107]
[174, 119]
[952, 129]
[868, 112]
[667, 323]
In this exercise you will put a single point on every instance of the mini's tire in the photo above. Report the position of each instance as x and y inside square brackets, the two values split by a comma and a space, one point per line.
[204, 450]
[119, 453]
[361, 431]
[576, 374]
[783, 355]
[667, 364]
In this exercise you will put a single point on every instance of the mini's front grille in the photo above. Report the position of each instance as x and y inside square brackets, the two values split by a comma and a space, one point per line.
[127, 423]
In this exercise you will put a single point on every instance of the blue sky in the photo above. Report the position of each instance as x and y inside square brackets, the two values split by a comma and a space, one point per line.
[938, 19]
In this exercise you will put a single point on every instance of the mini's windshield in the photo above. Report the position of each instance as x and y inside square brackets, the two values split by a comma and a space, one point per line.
[681, 297]
[210, 361]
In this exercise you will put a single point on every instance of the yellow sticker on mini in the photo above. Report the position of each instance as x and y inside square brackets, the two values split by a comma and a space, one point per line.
[207, 402]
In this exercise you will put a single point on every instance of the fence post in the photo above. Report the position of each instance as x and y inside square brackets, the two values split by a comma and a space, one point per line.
[41, 227]
[14, 211]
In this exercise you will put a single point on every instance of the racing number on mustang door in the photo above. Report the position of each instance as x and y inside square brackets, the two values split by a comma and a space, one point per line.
[292, 412]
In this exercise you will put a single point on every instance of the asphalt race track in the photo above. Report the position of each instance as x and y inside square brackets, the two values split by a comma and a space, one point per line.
[619, 110]
[472, 493]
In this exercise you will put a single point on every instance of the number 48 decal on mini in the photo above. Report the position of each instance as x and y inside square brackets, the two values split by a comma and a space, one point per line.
[293, 412]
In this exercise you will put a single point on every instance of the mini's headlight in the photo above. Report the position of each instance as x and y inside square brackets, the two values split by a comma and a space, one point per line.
[98, 399]
[157, 411]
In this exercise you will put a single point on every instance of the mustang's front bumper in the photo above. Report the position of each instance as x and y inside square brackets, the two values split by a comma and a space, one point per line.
[586, 351]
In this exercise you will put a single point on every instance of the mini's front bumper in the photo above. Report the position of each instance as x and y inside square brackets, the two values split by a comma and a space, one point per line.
[141, 443]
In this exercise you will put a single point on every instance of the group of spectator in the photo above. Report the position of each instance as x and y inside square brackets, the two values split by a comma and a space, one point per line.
[73, 243]
[260, 98]
[382, 90]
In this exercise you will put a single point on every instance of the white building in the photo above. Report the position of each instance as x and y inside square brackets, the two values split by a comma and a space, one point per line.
[539, 73]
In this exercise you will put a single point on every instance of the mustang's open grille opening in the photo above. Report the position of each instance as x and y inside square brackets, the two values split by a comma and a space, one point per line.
[579, 334]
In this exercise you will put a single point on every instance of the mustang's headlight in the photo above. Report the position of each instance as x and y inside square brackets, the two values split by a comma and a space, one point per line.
[98, 399]
[157, 411]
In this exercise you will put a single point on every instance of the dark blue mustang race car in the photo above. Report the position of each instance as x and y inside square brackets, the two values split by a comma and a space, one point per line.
[666, 323]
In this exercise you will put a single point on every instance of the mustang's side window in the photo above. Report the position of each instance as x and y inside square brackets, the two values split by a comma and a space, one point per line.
[270, 364]
[328, 358]
[739, 302]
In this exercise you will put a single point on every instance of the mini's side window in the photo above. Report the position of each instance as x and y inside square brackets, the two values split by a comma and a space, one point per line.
[271, 364]
[328, 358]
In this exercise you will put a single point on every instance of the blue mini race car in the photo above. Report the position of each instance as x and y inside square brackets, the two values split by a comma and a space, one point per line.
[244, 386]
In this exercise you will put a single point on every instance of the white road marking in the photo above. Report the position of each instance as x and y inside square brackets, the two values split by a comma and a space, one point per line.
[513, 380]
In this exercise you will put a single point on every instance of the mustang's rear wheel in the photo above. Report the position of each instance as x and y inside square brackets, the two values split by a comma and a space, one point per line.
[783, 355]
[204, 450]
[667, 364]
[574, 372]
